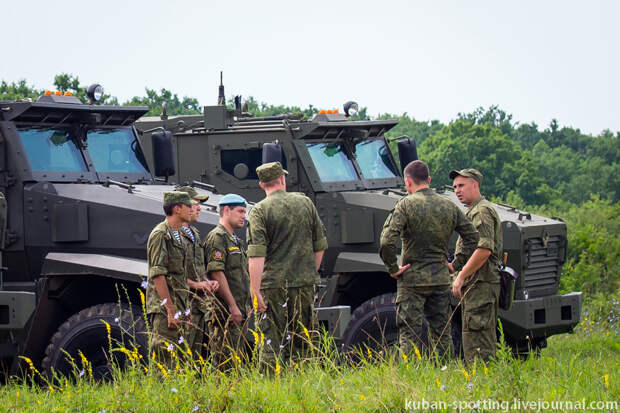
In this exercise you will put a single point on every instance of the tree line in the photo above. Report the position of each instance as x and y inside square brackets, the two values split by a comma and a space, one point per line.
[554, 170]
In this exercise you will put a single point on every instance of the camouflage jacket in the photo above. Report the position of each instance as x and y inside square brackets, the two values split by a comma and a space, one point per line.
[166, 256]
[227, 253]
[424, 222]
[286, 229]
[195, 269]
[487, 222]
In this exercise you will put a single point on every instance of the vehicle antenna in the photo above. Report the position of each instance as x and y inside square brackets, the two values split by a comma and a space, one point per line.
[221, 98]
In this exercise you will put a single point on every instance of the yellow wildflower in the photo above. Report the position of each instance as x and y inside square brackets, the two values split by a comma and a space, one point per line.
[473, 372]
[262, 339]
[417, 352]
[146, 370]
[162, 369]
[107, 327]
[486, 370]
[142, 300]
[255, 303]
[256, 339]
[126, 352]
[51, 389]
[607, 381]
[369, 352]
[30, 364]
[277, 368]
[306, 333]
[238, 359]
[465, 373]
[405, 358]
[438, 384]
[362, 397]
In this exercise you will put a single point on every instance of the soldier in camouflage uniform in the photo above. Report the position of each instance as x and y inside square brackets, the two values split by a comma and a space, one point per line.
[478, 280]
[286, 241]
[167, 289]
[200, 286]
[424, 222]
[228, 264]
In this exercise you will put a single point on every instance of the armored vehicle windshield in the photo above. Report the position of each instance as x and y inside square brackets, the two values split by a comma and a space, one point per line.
[59, 152]
[344, 160]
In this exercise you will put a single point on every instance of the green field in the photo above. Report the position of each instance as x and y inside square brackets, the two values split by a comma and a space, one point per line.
[578, 368]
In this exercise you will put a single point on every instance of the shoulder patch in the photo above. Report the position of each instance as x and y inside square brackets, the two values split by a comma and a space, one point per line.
[217, 255]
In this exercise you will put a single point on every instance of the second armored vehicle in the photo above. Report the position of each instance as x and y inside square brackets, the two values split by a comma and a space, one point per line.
[348, 170]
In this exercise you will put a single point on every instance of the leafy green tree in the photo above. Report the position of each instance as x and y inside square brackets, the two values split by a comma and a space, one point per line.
[174, 104]
[463, 144]
[261, 109]
[18, 90]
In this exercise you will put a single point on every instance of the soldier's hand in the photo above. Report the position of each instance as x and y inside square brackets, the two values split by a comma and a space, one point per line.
[400, 271]
[457, 287]
[174, 321]
[235, 315]
[450, 267]
[260, 304]
[213, 286]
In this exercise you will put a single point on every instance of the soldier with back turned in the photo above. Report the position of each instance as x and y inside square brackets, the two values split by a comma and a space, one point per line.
[286, 241]
[424, 222]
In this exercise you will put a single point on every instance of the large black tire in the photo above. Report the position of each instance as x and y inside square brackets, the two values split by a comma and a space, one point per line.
[85, 331]
[373, 324]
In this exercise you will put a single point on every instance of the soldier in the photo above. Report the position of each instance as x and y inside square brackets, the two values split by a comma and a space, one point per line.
[477, 283]
[167, 289]
[424, 221]
[228, 265]
[200, 286]
[286, 241]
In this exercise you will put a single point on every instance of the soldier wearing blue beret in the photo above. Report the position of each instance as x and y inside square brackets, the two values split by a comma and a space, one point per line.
[227, 263]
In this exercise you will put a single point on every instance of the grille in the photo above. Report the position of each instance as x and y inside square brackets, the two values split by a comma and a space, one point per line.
[542, 269]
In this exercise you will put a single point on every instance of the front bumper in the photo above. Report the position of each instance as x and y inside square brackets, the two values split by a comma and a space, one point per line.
[542, 317]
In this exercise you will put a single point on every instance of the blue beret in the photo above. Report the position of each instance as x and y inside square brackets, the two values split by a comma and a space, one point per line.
[232, 200]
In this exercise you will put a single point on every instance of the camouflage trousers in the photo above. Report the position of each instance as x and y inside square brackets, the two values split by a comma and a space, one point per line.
[434, 304]
[287, 323]
[227, 342]
[196, 333]
[164, 340]
[479, 315]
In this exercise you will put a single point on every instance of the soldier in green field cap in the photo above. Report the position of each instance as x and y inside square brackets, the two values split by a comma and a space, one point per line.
[201, 288]
[477, 283]
[167, 290]
[228, 264]
[286, 241]
[424, 222]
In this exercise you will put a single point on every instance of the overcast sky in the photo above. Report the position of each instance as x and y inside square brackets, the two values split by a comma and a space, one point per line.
[537, 60]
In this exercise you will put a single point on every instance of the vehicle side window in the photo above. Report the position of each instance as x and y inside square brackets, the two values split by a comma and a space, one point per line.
[252, 158]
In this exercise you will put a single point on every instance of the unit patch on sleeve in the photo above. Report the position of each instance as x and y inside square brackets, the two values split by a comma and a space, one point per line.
[218, 255]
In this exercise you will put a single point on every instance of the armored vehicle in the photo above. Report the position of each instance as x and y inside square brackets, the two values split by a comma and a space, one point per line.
[81, 203]
[346, 167]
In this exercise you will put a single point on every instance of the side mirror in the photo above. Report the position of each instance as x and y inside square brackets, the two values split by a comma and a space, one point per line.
[163, 154]
[272, 152]
[407, 152]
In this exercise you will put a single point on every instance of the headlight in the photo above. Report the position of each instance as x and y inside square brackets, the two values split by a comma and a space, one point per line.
[350, 108]
[95, 92]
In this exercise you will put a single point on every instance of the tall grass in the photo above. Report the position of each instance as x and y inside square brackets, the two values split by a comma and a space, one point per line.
[580, 367]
